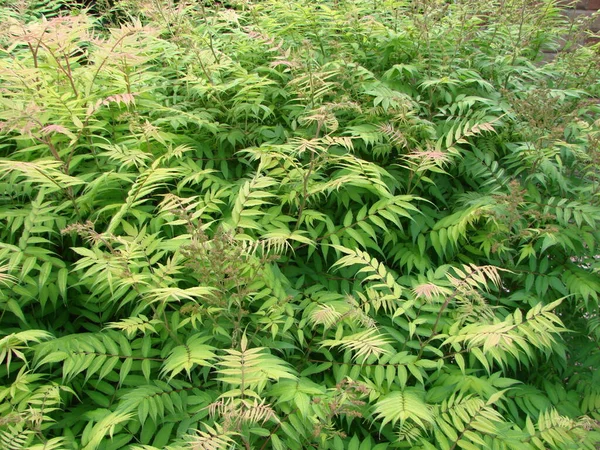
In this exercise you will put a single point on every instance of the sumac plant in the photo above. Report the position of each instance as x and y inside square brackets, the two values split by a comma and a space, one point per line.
[291, 224]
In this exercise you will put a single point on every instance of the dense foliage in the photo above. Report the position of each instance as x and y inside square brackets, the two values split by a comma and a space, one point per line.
[294, 224]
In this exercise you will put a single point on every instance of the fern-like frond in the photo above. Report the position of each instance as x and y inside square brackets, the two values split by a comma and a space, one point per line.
[249, 369]
[14, 344]
[6, 278]
[185, 357]
[477, 277]
[212, 439]
[557, 431]
[252, 195]
[406, 405]
[430, 291]
[236, 413]
[94, 436]
[15, 437]
[58, 443]
[363, 344]
[327, 315]
[149, 181]
[375, 271]
[466, 418]
[45, 173]
[134, 325]
[154, 401]
[93, 353]
[513, 336]
[173, 294]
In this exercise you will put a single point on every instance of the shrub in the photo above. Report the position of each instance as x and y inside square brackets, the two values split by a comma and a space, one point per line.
[291, 224]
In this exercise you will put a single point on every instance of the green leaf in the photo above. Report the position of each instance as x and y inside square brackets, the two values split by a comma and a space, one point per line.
[402, 406]
[185, 357]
